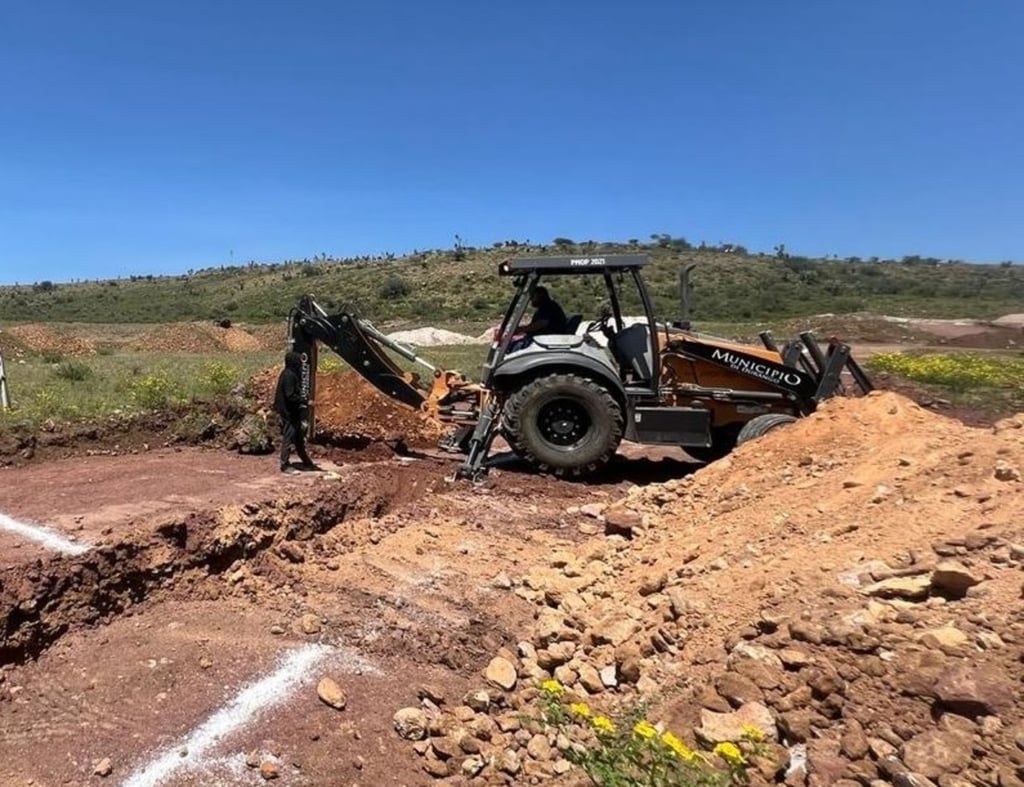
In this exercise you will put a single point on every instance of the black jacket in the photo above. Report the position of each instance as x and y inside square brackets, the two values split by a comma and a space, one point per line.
[288, 400]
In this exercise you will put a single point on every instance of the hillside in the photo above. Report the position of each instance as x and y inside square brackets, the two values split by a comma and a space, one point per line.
[729, 284]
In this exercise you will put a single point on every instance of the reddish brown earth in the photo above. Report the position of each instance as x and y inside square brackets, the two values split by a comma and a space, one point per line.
[752, 581]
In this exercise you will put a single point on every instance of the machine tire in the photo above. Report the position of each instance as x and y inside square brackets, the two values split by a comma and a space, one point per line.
[541, 422]
[760, 426]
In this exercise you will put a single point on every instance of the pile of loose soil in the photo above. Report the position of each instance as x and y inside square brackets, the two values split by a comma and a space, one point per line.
[197, 337]
[849, 584]
[351, 411]
[270, 336]
[44, 339]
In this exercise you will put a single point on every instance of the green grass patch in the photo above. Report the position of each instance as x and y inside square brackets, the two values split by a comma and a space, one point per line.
[989, 383]
[121, 384]
[956, 371]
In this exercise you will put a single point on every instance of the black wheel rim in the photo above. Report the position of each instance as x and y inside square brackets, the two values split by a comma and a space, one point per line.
[563, 423]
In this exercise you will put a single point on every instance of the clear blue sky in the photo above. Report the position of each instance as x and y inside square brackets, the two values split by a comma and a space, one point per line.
[154, 137]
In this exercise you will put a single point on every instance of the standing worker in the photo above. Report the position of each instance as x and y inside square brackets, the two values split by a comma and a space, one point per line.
[291, 408]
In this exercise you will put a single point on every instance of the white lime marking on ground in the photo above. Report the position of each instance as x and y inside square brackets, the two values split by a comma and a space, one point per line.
[42, 535]
[252, 700]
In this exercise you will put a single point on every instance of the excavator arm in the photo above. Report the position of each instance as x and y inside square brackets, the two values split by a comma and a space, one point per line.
[350, 337]
[451, 399]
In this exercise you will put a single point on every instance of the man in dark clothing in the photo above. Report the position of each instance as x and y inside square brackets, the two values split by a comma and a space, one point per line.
[548, 317]
[291, 408]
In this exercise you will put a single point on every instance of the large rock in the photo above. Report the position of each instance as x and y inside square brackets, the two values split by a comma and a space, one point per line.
[721, 727]
[910, 588]
[951, 578]
[502, 673]
[917, 672]
[974, 691]
[613, 630]
[934, 753]
[590, 679]
[411, 724]
[948, 639]
[331, 693]
[622, 522]
[738, 689]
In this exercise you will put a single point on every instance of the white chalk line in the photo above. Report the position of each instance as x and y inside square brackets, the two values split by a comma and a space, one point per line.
[43, 535]
[244, 708]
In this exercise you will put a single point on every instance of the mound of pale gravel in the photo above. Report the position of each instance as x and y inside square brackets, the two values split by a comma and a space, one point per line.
[431, 337]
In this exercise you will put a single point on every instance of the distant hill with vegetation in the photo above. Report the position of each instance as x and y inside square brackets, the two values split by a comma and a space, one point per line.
[462, 284]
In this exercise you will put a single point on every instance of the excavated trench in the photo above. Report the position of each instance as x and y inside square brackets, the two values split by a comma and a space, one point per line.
[42, 601]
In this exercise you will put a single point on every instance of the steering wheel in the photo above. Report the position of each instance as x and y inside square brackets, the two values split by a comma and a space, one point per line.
[601, 323]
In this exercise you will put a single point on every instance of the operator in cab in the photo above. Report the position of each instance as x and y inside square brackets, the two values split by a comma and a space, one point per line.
[549, 318]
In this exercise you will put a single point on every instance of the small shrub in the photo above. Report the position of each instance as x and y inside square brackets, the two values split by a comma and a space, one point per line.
[217, 377]
[73, 371]
[394, 288]
[52, 356]
[194, 428]
[153, 392]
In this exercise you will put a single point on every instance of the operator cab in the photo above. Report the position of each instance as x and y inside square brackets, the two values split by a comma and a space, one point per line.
[622, 346]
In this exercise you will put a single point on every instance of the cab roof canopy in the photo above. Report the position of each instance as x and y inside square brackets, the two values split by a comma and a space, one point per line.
[582, 264]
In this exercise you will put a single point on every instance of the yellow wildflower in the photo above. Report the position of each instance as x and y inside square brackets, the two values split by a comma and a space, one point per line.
[603, 724]
[681, 750]
[644, 729]
[729, 753]
[580, 709]
[752, 733]
[552, 687]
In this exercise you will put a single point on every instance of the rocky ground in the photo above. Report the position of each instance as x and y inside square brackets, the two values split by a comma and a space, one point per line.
[851, 585]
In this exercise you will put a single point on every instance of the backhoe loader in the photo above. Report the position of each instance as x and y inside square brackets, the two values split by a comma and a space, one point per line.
[564, 402]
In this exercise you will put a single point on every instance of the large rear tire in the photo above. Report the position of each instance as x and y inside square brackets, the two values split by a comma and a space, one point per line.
[563, 424]
[760, 426]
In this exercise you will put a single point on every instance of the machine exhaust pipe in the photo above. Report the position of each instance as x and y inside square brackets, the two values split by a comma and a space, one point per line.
[684, 296]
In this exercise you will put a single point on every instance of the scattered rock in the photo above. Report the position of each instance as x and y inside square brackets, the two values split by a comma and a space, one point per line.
[1006, 472]
[479, 700]
[270, 770]
[953, 579]
[331, 693]
[722, 727]
[310, 624]
[502, 673]
[974, 691]
[508, 762]
[411, 724]
[103, 768]
[913, 588]
[934, 753]
[948, 639]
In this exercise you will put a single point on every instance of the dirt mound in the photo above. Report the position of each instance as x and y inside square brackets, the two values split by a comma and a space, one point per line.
[197, 337]
[350, 410]
[270, 336]
[351, 413]
[1013, 321]
[44, 339]
[850, 583]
